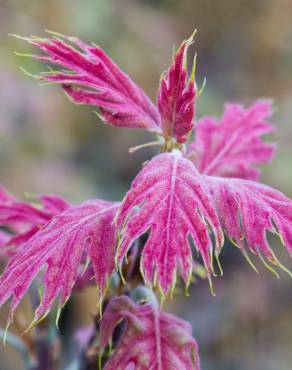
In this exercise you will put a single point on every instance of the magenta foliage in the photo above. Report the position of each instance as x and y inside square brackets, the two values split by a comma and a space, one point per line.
[101, 82]
[173, 201]
[174, 204]
[61, 244]
[247, 210]
[24, 219]
[176, 97]
[152, 339]
[15, 213]
[232, 146]
[178, 202]
[86, 277]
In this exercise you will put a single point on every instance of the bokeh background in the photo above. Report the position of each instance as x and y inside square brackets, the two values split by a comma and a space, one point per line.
[48, 145]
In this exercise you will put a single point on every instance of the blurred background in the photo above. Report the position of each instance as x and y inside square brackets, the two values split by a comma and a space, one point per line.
[48, 145]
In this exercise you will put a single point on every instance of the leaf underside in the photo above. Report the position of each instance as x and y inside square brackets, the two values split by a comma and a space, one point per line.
[152, 339]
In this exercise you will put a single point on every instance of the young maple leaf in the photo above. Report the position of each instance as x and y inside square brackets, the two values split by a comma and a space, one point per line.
[247, 210]
[171, 200]
[101, 82]
[176, 97]
[24, 219]
[232, 146]
[16, 213]
[91, 77]
[174, 204]
[152, 339]
[169, 197]
[61, 244]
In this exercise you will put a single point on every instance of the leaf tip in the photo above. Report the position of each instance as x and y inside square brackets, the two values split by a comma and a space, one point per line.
[211, 288]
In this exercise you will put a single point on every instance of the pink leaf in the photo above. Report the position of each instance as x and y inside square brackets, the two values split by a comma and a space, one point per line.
[101, 82]
[247, 210]
[25, 219]
[152, 339]
[15, 241]
[232, 146]
[174, 204]
[53, 203]
[61, 244]
[18, 213]
[85, 278]
[176, 97]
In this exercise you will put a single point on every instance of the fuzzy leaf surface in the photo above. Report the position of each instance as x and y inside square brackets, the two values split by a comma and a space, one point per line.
[152, 339]
[169, 199]
[91, 77]
[232, 146]
[15, 213]
[247, 210]
[24, 219]
[61, 244]
[176, 97]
